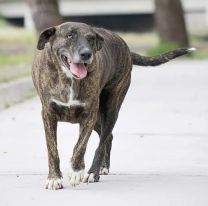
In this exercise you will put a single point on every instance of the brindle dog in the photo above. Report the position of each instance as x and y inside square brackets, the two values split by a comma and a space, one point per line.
[82, 75]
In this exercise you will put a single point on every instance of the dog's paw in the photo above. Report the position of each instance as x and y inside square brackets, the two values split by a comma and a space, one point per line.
[104, 171]
[92, 177]
[54, 183]
[75, 177]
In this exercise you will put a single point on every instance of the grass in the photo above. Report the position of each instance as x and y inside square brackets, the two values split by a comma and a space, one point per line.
[149, 44]
[13, 35]
[136, 38]
[7, 105]
[15, 59]
[10, 72]
[16, 52]
[161, 48]
[140, 42]
[199, 54]
[2, 22]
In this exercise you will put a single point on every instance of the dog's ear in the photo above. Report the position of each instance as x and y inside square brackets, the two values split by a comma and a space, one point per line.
[99, 41]
[44, 37]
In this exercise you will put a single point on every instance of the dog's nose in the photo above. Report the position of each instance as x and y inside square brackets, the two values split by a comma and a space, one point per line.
[85, 54]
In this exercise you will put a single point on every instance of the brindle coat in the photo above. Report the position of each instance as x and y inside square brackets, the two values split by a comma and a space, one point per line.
[100, 94]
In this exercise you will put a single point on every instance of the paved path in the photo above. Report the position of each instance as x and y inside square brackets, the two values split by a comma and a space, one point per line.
[160, 149]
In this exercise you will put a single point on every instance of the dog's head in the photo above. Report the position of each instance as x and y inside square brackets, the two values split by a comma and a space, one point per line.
[74, 45]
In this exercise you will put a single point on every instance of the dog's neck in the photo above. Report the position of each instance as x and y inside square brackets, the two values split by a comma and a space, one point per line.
[72, 100]
[68, 87]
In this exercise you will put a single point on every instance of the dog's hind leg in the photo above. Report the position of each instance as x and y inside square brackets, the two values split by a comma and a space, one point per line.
[105, 166]
[54, 180]
[110, 105]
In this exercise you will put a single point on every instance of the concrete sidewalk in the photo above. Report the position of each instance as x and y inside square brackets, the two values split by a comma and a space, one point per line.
[160, 149]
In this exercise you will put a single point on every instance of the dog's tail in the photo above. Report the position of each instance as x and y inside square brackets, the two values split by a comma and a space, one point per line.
[160, 59]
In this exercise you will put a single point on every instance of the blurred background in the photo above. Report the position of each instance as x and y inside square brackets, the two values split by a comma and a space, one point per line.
[148, 26]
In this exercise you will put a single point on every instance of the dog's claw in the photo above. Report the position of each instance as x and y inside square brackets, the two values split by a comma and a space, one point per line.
[54, 183]
[92, 177]
[76, 177]
[104, 171]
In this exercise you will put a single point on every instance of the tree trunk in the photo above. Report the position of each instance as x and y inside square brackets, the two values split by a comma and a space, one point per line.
[45, 13]
[170, 22]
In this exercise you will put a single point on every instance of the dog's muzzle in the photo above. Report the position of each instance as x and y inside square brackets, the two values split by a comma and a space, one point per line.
[78, 70]
[85, 54]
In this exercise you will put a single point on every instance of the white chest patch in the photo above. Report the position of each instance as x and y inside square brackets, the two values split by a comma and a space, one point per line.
[71, 102]
[67, 72]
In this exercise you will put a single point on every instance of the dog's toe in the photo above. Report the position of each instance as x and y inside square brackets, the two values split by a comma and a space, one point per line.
[54, 183]
[76, 177]
[92, 177]
[104, 171]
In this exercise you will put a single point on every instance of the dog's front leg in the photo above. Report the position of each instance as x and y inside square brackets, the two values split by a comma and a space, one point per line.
[77, 161]
[54, 180]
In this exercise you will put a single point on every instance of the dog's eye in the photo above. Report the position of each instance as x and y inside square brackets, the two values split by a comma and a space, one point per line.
[69, 36]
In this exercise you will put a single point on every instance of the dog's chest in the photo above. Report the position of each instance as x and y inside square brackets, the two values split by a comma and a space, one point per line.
[67, 103]
[71, 96]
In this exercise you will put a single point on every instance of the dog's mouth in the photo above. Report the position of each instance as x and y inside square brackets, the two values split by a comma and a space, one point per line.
[78, 70]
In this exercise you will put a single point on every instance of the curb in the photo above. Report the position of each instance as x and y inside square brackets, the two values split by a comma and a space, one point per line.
[15, 92]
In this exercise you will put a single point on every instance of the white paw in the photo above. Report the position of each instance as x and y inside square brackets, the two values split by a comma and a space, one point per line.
[89, 178]
[92, 177]
[54, 183]
[75, 177]
[104, 171]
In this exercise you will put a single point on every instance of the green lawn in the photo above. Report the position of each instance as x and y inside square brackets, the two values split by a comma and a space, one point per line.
[149, 44]
[16, 35]
[15, 59]
[16, 52]
[13, 72]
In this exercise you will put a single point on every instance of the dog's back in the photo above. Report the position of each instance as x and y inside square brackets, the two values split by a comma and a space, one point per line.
[114, 59]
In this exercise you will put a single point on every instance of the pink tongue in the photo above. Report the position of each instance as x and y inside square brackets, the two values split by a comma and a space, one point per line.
[79, 70]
